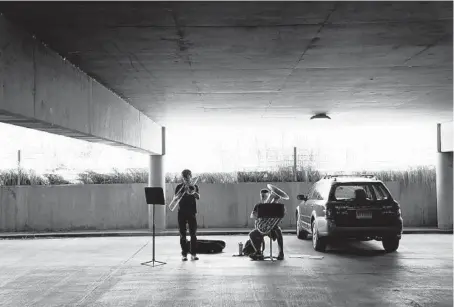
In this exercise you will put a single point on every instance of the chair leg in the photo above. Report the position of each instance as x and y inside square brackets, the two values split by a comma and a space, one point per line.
[271, 252]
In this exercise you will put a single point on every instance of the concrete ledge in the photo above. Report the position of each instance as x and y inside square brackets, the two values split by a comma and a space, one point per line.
[174, 232]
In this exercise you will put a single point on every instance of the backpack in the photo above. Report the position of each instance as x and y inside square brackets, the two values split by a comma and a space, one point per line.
[208, 246]
[248, 249]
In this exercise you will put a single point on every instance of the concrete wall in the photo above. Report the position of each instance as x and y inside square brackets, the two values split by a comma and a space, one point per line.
[122, 206]
[41, 90]
[72, 207]
[229, 205]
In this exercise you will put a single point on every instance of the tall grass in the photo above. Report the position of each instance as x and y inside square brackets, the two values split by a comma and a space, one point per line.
[130, 176]
[29, 177]
[55, 179]
[282, 174]
[422, 174]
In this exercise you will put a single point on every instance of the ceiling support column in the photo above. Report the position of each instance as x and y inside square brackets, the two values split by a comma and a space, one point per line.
[156, 178]
[444, 177]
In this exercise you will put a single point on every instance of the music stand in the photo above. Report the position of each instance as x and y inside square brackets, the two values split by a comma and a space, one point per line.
[154, 196]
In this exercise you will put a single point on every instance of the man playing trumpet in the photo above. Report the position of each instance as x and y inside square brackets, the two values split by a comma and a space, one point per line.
[257, 239]
[187, 211]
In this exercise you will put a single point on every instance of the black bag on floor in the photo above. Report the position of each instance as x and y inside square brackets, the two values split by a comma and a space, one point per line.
[208, 246]
[249, 249]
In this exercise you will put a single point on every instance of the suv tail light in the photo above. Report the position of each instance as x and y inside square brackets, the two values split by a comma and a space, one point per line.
[392, 209]
[330, 211]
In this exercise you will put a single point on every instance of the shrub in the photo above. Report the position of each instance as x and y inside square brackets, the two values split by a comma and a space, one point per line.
[282, 174]
[54, 179]
[131, 176]
[421, 174]
[217, 177]
[27, 177]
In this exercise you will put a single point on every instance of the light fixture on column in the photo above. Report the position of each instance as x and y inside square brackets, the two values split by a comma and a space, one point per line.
[320, 116]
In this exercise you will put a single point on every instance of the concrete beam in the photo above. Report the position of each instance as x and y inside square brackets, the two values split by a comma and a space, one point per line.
[41, 90]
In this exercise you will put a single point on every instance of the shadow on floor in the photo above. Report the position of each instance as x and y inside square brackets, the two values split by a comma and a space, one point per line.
[355, 248]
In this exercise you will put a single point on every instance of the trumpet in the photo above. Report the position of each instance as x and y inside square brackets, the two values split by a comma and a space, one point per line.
[188, 188]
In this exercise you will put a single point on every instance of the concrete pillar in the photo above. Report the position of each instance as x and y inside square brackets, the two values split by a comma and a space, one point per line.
[156, 178]
[444, 189]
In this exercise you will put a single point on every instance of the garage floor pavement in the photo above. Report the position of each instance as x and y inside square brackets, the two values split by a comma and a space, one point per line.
[107, 271]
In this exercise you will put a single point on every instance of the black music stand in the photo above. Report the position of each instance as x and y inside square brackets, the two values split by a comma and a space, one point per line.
[154, 196]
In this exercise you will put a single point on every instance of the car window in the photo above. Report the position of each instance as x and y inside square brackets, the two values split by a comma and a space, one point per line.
[324, 190]
[347, 191]
[321, 191]
[380, 192]
[316, 195]
[368, 190]
[344, 192]
[311, 192]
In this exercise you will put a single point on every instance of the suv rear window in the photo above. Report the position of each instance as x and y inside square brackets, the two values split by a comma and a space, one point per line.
[346, 191]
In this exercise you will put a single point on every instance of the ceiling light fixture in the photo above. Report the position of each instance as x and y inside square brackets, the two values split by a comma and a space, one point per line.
[320, 116]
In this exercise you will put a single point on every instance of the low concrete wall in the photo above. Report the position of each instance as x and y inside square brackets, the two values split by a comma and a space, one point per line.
[122, 206]
[72, 207]
[229, 205]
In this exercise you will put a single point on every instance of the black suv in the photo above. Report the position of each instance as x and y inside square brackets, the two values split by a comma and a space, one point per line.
[343, 206]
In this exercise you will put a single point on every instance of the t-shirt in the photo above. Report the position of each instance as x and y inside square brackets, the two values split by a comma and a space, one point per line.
[188, 202]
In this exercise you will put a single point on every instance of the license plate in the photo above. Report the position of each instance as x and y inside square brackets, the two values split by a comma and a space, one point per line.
[363, 214]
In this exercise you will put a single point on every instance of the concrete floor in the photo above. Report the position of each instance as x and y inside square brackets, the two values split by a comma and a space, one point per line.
[107, 272]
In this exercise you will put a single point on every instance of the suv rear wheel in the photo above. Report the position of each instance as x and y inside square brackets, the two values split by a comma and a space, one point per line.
[319, 244]
[390, 244]
[300, 233]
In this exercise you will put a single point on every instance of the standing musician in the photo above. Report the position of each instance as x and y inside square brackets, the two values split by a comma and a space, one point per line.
[257, 237]
[187, 211]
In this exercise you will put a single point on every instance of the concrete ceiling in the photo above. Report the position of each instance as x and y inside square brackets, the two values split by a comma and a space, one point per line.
[360, 62]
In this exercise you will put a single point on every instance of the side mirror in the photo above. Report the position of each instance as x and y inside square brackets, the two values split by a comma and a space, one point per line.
[301, 197]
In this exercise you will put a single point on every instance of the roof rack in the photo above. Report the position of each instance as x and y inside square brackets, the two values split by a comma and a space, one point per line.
[349, 175]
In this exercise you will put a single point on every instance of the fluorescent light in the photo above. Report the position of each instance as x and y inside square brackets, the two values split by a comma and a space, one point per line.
[320, 116]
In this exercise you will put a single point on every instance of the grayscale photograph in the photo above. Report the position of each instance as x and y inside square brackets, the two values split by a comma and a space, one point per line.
[226, 154]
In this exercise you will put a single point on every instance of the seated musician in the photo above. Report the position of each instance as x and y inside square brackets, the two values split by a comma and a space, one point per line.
[257, 237]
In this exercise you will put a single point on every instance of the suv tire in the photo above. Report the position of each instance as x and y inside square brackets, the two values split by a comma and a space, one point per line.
[300, 233]
[319, 244]
[390, 244]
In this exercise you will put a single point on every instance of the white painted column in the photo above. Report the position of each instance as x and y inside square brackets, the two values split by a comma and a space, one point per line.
[444, 190]
[156, 178]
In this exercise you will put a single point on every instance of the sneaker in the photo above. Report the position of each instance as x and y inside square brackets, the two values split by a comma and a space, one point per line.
[185, 258]
[194, 257]
[281, 256]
